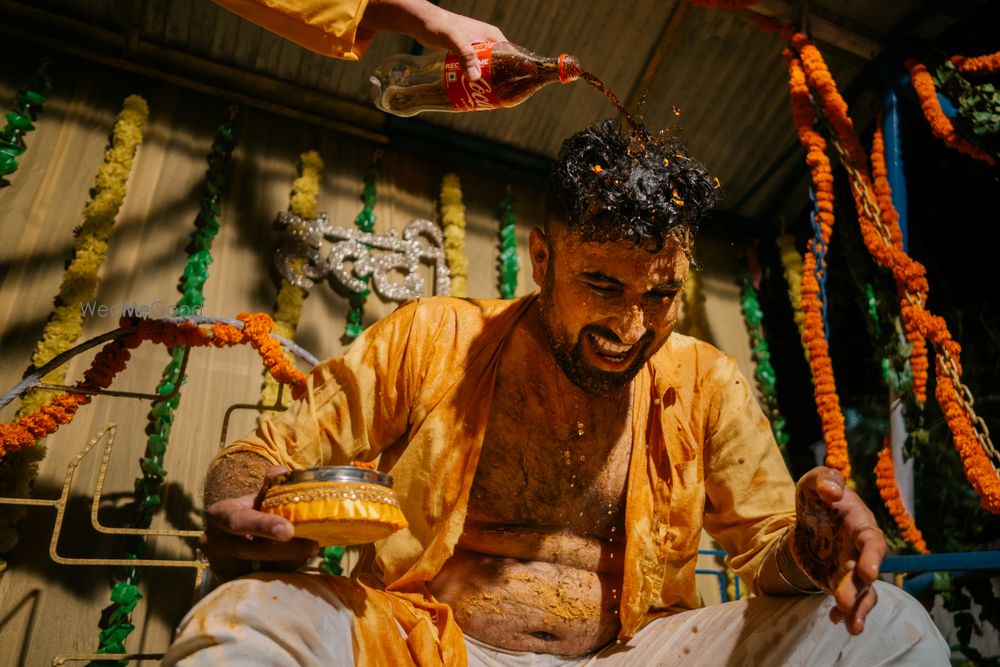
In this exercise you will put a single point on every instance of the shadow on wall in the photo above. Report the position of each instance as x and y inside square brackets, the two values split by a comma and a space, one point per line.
[26, 606]
[89, 584]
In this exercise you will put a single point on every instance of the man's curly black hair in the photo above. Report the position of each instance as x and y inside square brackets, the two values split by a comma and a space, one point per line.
[612, 186]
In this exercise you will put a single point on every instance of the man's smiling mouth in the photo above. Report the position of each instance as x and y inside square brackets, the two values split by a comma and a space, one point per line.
[609, 350]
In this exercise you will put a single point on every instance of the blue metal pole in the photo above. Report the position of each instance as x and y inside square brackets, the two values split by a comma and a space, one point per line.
[970, 560]
[894, 159]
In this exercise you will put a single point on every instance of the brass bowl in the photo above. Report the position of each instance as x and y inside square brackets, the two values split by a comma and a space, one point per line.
[335, 505]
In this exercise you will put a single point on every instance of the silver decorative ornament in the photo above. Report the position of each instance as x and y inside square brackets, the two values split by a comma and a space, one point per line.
[300, 262]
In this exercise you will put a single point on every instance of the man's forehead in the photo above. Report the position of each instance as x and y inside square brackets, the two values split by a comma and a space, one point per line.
[596, 251]
[624, 263]
[561, 233]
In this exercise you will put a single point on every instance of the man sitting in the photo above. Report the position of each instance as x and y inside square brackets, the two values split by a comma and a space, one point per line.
[557, 458]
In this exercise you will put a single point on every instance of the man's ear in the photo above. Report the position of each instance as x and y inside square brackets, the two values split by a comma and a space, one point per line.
[538, 248]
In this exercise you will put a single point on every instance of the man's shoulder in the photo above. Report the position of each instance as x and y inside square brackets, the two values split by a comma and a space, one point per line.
[681, 350]
[456, 304]
[690, 363]
[438, 311]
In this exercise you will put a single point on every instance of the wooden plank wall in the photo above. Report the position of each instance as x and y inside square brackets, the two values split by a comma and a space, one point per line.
[48, 609]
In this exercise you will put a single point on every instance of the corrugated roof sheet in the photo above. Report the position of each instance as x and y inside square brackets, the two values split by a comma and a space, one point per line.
[726, 78]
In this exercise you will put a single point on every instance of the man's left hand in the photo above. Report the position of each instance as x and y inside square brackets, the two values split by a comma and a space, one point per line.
[838, 544]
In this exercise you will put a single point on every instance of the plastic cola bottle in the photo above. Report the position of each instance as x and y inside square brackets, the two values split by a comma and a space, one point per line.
[406, 85]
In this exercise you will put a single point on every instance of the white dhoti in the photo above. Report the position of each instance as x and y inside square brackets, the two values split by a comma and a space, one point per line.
[298, 620]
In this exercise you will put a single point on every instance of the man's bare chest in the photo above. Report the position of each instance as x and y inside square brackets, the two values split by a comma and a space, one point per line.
[548, 462]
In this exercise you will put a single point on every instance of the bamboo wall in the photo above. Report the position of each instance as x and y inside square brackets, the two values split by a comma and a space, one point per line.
[48, 609]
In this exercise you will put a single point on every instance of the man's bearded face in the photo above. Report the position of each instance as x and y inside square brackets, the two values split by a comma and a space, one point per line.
[606, 308]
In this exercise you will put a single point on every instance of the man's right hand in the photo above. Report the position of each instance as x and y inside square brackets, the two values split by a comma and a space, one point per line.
[238, 535]
[434, 27]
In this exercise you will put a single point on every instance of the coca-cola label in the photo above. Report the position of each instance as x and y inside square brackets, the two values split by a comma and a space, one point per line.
[465, 94]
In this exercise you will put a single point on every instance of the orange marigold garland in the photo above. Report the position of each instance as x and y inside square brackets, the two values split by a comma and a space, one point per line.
[114, 356]
[987, 64]
[890, 220]
[978, 466]
[881, 241]
[941, 125]
[829, 99]
[49, 417]
[912, 282]
[257, 331]
[883, 192]
[814, 336]
[885, 480]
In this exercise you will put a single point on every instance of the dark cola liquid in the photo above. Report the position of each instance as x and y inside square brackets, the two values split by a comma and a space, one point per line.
[406, 85]
[637, 129]
[516, 76]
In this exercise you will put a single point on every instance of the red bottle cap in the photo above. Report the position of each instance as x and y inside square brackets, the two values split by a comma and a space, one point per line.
[563, 75]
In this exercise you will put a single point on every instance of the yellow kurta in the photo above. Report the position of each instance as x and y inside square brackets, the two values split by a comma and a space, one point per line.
[328, 27]
[417, 389]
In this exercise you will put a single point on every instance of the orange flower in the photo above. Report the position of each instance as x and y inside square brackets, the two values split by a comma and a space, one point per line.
[987, 64]
[47, 419]
[814, 333]
[885, 480]
[882, 239]
[941, 126]
[909, 278]
[114, 356]
[257, 327]
[226, 335]
[978, 466]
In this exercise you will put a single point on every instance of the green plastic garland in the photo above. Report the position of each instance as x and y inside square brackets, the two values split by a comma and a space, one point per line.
[764, 372]
[365, 221]
[509, 263]
[27, 104]
[125, 594]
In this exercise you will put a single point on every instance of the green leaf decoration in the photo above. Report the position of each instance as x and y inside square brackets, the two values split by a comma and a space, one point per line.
[978, 105]
[365, 221]
[509, 263]
[148, 488]
[331, 560]
[113, 637]
[27, 105]
[764, 373]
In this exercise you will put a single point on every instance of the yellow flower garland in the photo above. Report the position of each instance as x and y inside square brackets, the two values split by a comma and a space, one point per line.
[305, 188]
[453, 222]
[288, 304]
[90, 247]
[79, 284]
[791, 260]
